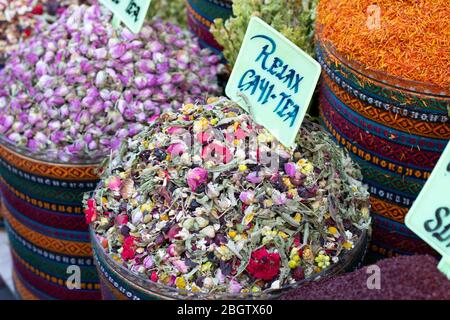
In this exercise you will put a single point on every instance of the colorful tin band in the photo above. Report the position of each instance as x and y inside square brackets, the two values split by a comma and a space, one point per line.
[372, 158]
[435, 130]
[24, 291]
[383, 131]
[400, 96]
[48, 288]
[56, 171]
[48, 181]
[51, 257]
[387, 195]
[44, 216]
[388, 209]
[388, 243]
[50, 194]
[56, 207]
[65, 247]
[57, 233]
[389, 154]
[201, 14]
[390, 180]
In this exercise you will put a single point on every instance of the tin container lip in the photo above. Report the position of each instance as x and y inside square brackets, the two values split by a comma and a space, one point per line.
[377, 76]
[45, 156]
[348, 261]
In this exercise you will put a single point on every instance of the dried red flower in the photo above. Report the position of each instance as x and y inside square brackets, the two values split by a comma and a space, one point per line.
[91, 211]
[38, 10]
[128, 247]
[264, 265]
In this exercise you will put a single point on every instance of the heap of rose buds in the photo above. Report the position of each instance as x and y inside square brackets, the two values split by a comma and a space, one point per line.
[19, 18]
[79, 87]
[206, 200]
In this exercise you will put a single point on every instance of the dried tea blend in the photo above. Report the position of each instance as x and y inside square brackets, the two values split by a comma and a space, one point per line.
[207, 200]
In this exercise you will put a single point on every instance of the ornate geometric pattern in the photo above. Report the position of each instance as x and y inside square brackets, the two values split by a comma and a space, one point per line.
[383, 131]
[371, 157]
[391, 196]
[22, 291]
[41, 284]
[56, 233]
[39, 203]
[45, 181]
[71, 248]
[389, 243]
[55, 219]
[388, 149]
[397, 95]
[388, 210]
[54, 280]
[45, 169]
[390, 180]
[417, 127]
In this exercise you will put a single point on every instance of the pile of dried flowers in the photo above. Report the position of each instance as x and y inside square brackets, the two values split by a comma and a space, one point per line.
[188, 203]
[19, 18]
[80, 87]
[292, 18]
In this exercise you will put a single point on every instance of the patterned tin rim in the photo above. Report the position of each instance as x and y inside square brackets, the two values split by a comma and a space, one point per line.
[24, 160]
[348, 261]
[44, 156]
[378, 76]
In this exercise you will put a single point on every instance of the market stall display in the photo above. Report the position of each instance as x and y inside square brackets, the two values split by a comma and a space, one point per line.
[189, 209]
[68, 96]
[385, 97]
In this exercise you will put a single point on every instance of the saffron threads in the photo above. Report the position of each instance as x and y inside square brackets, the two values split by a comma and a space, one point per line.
[408, 39]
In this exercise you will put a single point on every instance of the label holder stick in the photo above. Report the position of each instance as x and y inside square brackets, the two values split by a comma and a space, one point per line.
[115, 21]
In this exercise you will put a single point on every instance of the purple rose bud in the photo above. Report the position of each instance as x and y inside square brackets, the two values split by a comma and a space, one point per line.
[117, 50]
[290, 169]
[140, 82]
[254, 177]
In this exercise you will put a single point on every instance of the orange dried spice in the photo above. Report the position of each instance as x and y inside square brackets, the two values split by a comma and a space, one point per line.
[411, 42]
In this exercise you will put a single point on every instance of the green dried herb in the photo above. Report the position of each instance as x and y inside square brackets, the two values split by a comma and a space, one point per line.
[173, 11]
[293, 18]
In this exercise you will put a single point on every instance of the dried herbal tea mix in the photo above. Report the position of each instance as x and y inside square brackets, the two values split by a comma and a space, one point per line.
[193, 202]
[79, 86]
